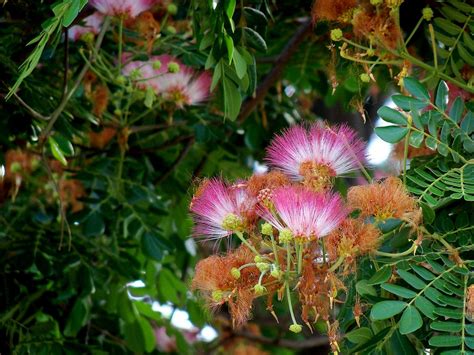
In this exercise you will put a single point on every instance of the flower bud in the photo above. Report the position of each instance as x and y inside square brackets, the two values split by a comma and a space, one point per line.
[235, 273]
[267, 229]
[376, 2]
[217, 295]
[364, 77]
[286, 236]
[296, 328]
[15, 167]
[259, 289]
[336, 34]
[173, 67]
[172, 9]
[156, 64]
[258, 259]
[263, 267]
[277, 273]
[370, 52]
[427, 13]
[121, 80]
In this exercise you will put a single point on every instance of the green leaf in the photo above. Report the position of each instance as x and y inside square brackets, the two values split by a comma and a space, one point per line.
[380, 276]
[428, 213]
[57, 153]
[391, 115]
[363, 288]
[255, 16]
[153, 246]
[360, 335]
[232, 99]
[94, 225]
[415, 88]
[407, 103]
[229, 43]
[451, 327]
[391, 134]
[441, 95]
[149, 97]
[386, 309]
[411, 279]
[77, 318]
[445, 341]
[139, 335]
[456, 109]
[449, 312]
[240, 64]
[255, 40]
[410, 320]
[216, 76]
[426, 307]
[230, 8]
[398, 290]
[71, 13]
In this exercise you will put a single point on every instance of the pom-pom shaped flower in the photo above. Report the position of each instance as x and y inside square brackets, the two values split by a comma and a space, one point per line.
[130, 8]
[219, 210]
[316, 155]
[182, 85]
[92, 24]
[304, 214]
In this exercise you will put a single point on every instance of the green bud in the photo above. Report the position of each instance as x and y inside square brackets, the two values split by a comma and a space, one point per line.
[370, 52]
[121, 80]
[259, 289]
[376, 2]
[258, 259]
[173, 67]
[263, 267]
[427, 13]
[15, 167]
[88, 37]
[35, 163]
[135, 74]
[156, 64]
[296, 328]
[336, 34]
[217, 295]
[364, 77]
[267, 229]
[172, 9]
[171, 29]
[286, 236]
[276, 273]
[117, 112]
[235, 273]
[231, 222]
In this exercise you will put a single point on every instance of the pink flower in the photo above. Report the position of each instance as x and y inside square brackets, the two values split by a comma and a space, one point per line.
[92, 24]
[219, 209]
[131, 8]
[184, 87]
[304, 213]
[317, 153]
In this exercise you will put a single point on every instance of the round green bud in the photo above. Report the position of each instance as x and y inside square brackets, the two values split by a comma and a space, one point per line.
[258, 259]
[263, 267]
[156, 64]
[231, 222]
[121, 80]
[427, 13]
[364, 77]
[296, 328]
[376, 2]
[118, 112]
[267, 229]
[286, 236]
[88, 37]
[235, 273]
[276, 273]
[259, 289]
[370, 52]
[217, 295]
[15, 167]
[171, 29]
[173, 67]
[35, 163]
[172, 9]
[135, 74]
[336, 34]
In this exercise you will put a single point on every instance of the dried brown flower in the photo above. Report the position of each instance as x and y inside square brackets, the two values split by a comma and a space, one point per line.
[332, 10]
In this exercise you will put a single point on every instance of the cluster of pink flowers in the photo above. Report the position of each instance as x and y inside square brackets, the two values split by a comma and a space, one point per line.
[295, 210]
[130, 8]
[170, 79]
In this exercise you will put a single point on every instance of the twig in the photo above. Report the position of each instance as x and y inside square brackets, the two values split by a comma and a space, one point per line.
[274, 75]
[31, 110]
[178, 160]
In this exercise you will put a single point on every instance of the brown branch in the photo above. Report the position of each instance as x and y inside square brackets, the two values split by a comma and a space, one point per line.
[274, 75]
[312, 342]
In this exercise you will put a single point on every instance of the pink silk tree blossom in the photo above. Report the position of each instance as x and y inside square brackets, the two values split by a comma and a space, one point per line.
[130, 8]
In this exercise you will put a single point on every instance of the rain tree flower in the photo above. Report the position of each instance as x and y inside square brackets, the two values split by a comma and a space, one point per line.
[130, 8]
[316, 155]
[182, 85]
[92, 24]
[304, 214]
[219, 210]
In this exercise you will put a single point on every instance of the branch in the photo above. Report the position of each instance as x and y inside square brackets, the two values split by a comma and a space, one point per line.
[312, 342]
[274, 75]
